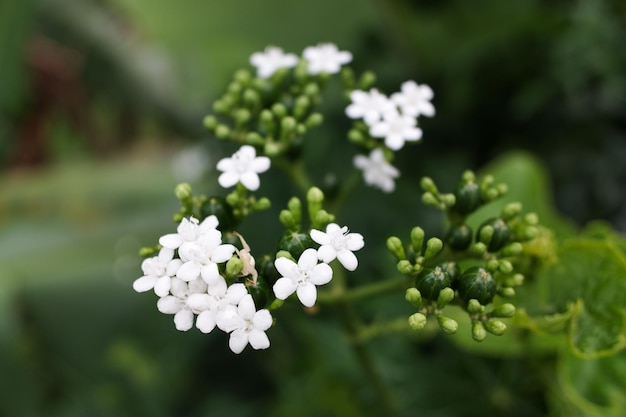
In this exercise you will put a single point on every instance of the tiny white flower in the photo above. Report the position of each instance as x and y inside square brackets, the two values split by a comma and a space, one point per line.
[302, 277]
[271, 60]
[326, 58]
[218, 299]
[158, 271]
[338, 243]
[377, 171]
[246, 325]
[370, 106]
[396, 129]
[200, 258]
[243, 166]
[188, 231]
[176, 303]
[414, 99]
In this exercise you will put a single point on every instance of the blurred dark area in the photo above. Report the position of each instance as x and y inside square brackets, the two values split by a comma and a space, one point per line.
[101, 103]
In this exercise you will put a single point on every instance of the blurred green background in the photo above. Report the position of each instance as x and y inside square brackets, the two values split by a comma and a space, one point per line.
[101, 104]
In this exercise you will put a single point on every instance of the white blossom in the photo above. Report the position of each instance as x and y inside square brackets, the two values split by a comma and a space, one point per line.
[218, 299]
[414, 99]
[271, 60]
[176, 303]
[243, 166]
[396, 129]
[338, 243]
[200, 258]
[188, 231]
[326, 58]
[246, 325]
[370, 106]
[158, 271]
[377, 171]
[302, 277]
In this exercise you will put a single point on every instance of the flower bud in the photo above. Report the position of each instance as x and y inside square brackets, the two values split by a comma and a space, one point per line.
[511, 210]
[300, 129]
[428, 185]
[474, 307]
[495, 327]
[507, 292]
[272, 148]
[512, 249]
[322, 218]
[221, 106]
[287, 125]
[448, 325]
[478, 331]
[314, 198]
[183, 191]
[405, 267]
[241, 116]
[287, 219]
[502, 189]
[234, 266]
[429, 199]
[261, 204]
[367, 80]
[414, 297]
[490, 194]
[505, 310]
[494, 233]
[222, 131]
[446, 295]
[468, 197]
[505, 266]
[301, 106]
[242, 76]
[531, 219]
[254, 139]
[417, 239]
[251, 97]
[417, 321]
[295, 207]
[492, 265]
[312, 89]
[478, 248]
[314, 120]
[459, 237]
[279, 110]
[147, 251]
[394, 245]
[210, 122]
[355, 136]
[433, 247]
[234, 88]
[266, 121]
[448, 200]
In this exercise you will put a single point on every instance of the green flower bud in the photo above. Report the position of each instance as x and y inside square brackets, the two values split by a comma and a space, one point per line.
[490, 194]
[448, 325]
[459, 237]
[531, 219]
[314, 198]
[301, 106]
[295, 207]
[295, 242]
[492, 265]
[312, 89]
[394, 245]
[287, 219]
[314, 120]
[183, 191]
[430, 200]
[243, 76]
[300, 129]
[147, 251]
[417, 239]
[495, 327]
[474, 307]
[222, 131]
[468, 197]
[417, 321]
[431, 281]
[279, 110]
[284, 254]
[446, 295]
[506, 292]
[477, 283]
[505, 267]
[530, 232]
[251, 97]
[254, 139]
[178, 217]
[322, 218]
[414, 297]
[356, 136]
[468, 176]
[478, 248]
[428, 185]
[272, 149]
[511, 210]
[505, 310]
[241, 116]
[433, 247]
[512, 249]
[221, 106]
[234, 266]
[234, 88]
[287, 125]
[502, 189]
[452, 269]
[478, 331]
[347, 78]
[367, 80]
[516, 280]
[210, 122]
[448, 200]
[494, 233]
[405, 267]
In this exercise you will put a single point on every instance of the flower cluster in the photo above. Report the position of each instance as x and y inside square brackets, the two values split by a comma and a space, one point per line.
[392, 119]
[186, 277]
[323, 58]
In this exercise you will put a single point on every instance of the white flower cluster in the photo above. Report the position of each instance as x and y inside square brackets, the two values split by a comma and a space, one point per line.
[323, 58]
[186, 277]
[303, 277]
[393, 119]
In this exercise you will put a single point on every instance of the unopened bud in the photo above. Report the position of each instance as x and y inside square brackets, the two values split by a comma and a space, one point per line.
[301, 106]
[446, 295]
[492, 265]
[507, 292]
[295, 207]
[478, 248]
[367, 80]
[429, 199]
[222, 131]
[417, 321]
[433, 247]
[312, 89]
[531, 219]
[405, 267]
[261, 204]
[512, 249]
[505, 310]
[448, 325]
[394, 244]
[474, 307]
[478, 331]
[210, 122]
[417, 239]
[251, 97]
[414, 297]
[279, 110]
[428, 184]
[287, 219]
[505, 267]
[486, 234]
[243, 76]
[234, 266]
[183, 191]
[314, 119]
[511, 210]
[241, 116]
[495, 327]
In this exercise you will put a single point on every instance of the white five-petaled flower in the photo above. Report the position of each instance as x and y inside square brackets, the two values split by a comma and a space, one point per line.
[176, 303]
[271, 60]
[246, 325]
[218, 299]
[338, 243]
[377, 171]
[302, 277]
[188, 231]
[200, 258]
[414, 99]
[326, 58]
[368, 105]
[396, 129]
[243, 166]
[158, 271]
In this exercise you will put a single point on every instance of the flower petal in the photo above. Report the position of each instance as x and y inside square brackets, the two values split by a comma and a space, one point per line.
[169, 305]
[222, 253]
[307, 294]
[348, 260]
[326, 253]
[321, 274]
[319, 237]
[162, 286]
[145, 283]
[250, 180]
[246, 308]
[307, 260]
[286, 267]
[183, 320]
[171, 241]
[206, 321]
[228, 179]
[283, 288]
[238, 341]
[258, 339]
[228, 320]
[210, 273]
[260, 164]
[199, 302]
[262, 320]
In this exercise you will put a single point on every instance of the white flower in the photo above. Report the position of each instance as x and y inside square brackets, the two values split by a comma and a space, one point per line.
[368, 105]
[158, 271]
[396, 129]
[247, 325]
[177, 302]
[271, 60]
[338, 243]
[414, 99]
[244, 166]
[325, 58]
[218, 299]
[377, 171]
[301, 277]
[202, 256]
[188, 231]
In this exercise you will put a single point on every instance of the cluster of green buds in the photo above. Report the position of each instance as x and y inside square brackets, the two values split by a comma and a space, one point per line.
[477, 271]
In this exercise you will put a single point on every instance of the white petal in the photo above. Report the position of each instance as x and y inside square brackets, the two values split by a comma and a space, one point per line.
[162, 286]
[262, 320]
[286, 267]
[172, 240]
[326, 253]
[319, 237]
[246, 308]
[172, 267]
[283, 288]
[210, 222]
[355, 241]
[307, 294]
[166, 254]
[235, 293]
[258, 339]
[348, 260]
[178, 287]
[222, 253]
[219, 287]
[394, 142]
[250, 180]
[210, 273]
[260, 164]
[189, 271]
[199, 302]
[145, 283]
[379, 130]
[169, 305]
[225, 164]
[183, 320]
[228, 320]
[206, 321]
[321, 274]
[307, 260]
[228, 179]
[238, 341]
